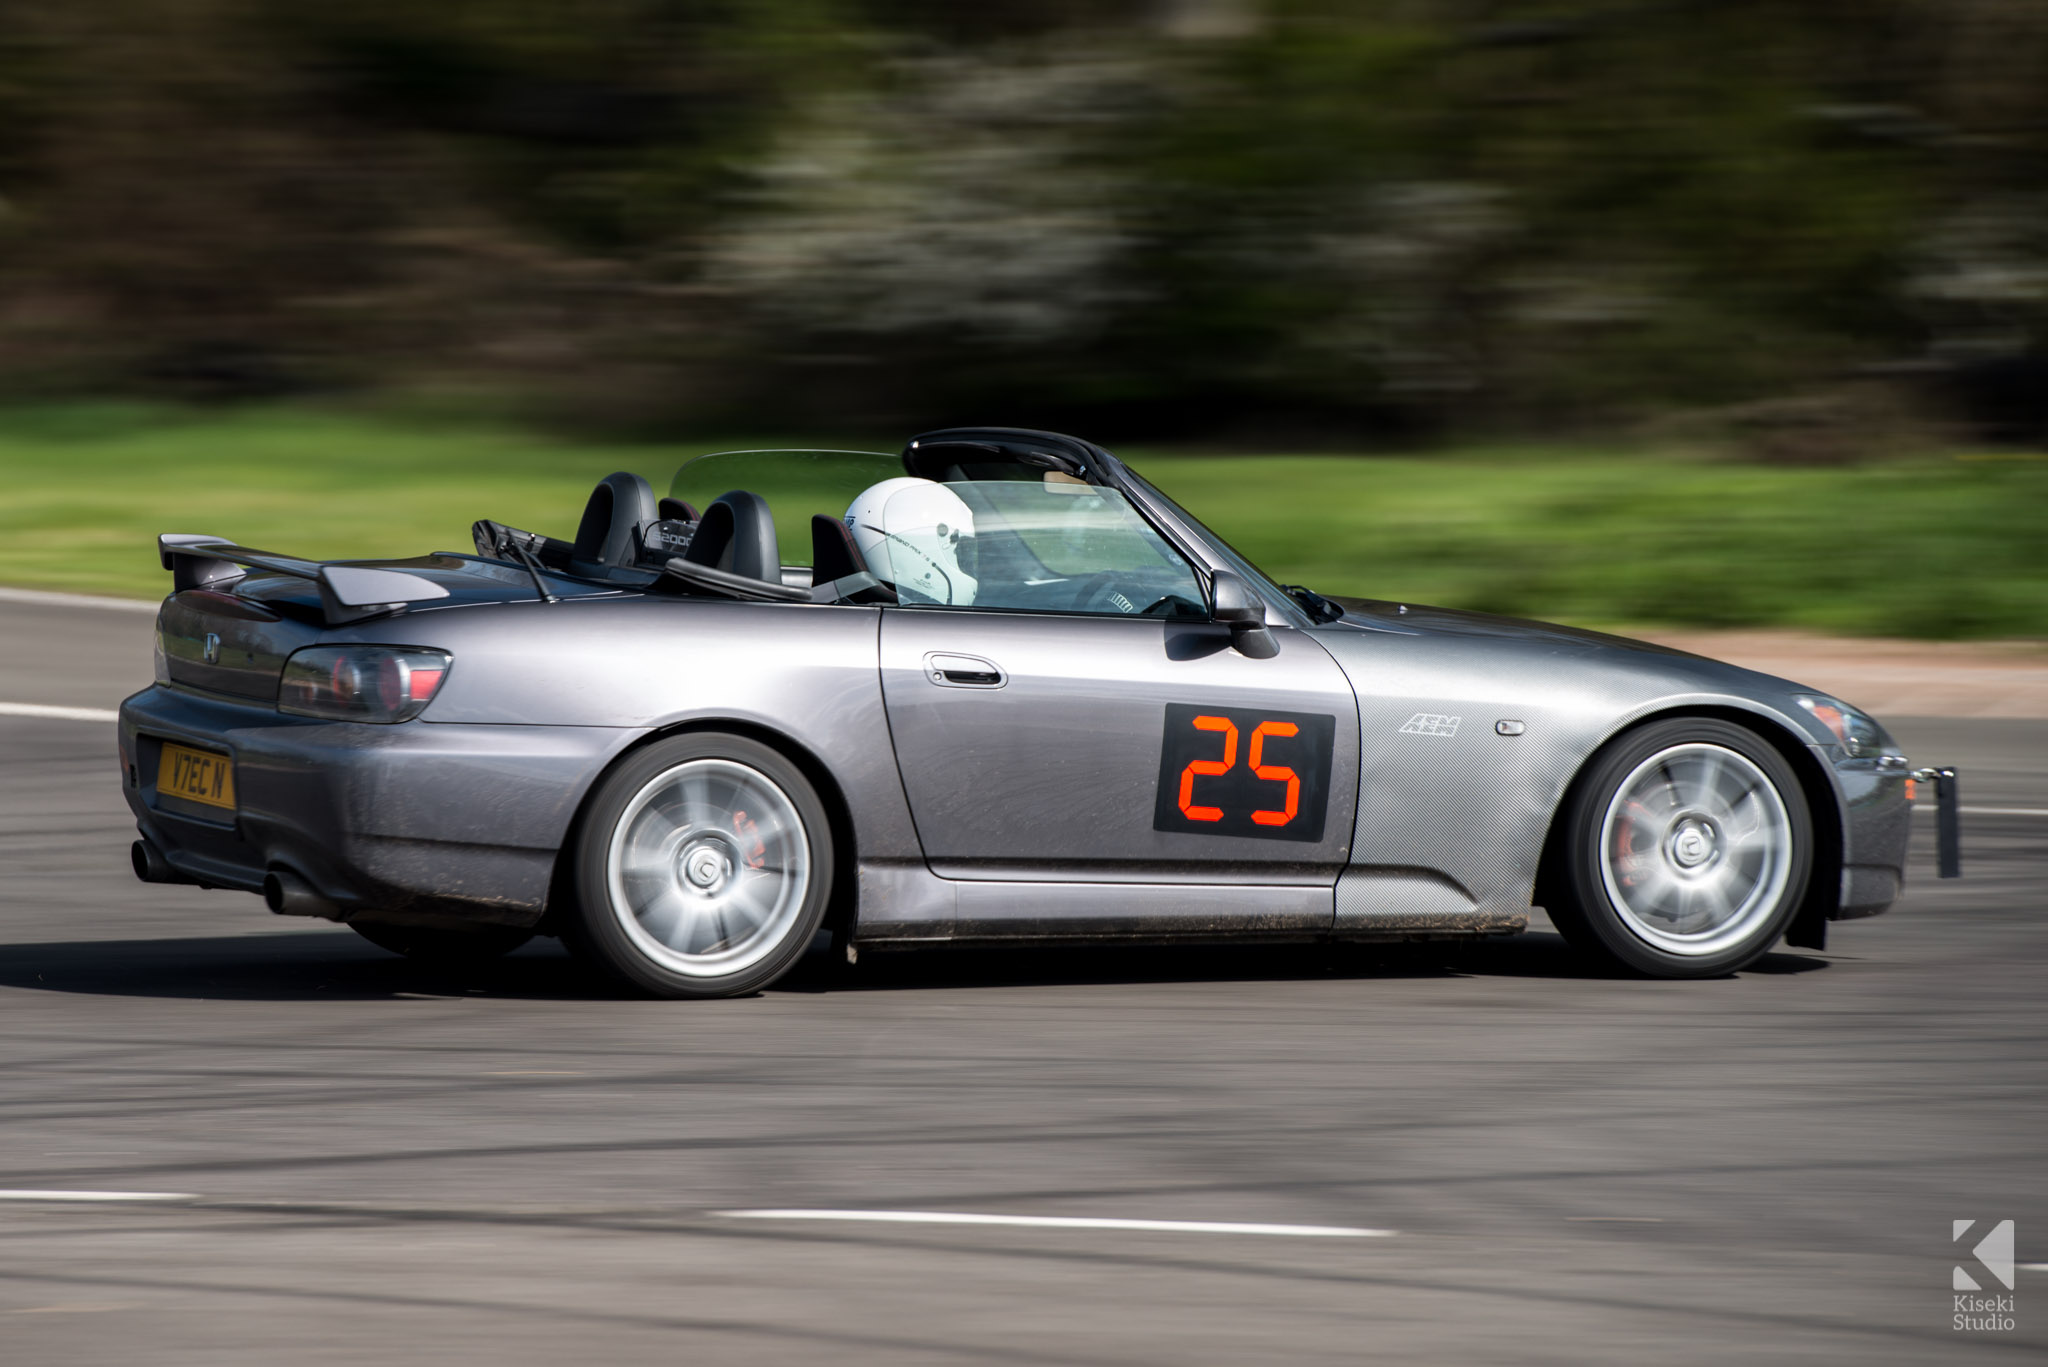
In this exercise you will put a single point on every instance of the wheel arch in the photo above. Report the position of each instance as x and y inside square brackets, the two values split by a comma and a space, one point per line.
[840, 910]
[1808, 929]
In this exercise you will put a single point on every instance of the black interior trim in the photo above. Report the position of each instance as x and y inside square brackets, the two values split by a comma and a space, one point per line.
[726, 584]
[931, 455]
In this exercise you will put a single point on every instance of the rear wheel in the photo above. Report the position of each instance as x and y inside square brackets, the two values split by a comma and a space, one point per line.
[443, 945]
[1688, 849]
[703, 868]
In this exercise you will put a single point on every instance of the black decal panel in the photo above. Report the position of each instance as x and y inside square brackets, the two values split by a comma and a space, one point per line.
[1232, 771]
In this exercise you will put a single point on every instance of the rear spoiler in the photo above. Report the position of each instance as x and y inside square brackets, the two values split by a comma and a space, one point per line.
[348, 593]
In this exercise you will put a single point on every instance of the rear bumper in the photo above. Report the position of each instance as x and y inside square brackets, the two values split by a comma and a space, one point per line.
[426, 819]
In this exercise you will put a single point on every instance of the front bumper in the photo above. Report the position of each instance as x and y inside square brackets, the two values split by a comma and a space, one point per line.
[1877, 829]
[423, 819]
[1877, 822]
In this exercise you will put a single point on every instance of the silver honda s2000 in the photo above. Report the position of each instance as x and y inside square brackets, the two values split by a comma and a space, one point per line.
[996, 688]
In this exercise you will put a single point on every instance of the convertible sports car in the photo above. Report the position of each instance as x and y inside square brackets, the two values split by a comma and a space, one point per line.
[997, 688]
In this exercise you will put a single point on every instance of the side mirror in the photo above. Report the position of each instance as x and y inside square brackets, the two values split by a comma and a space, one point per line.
[1238, 608]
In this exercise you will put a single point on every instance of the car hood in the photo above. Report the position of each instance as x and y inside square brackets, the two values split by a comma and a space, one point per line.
[1465, 651]
[1416, 619]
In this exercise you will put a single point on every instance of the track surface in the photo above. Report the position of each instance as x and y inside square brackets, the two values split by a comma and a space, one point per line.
[509, 1167]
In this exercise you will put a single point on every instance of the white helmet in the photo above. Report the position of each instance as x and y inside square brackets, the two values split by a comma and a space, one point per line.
[910, 531]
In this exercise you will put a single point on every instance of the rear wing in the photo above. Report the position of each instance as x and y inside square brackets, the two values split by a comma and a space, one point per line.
[348, 593]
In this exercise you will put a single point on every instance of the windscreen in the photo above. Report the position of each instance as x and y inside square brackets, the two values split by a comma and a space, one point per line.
[796, 484]
[1050, 545]
[1232, 557]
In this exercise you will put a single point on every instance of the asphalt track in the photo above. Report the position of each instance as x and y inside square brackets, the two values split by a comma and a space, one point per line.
[377, 1162]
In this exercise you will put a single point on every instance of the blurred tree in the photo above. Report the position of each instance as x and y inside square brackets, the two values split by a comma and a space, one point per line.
[1426, 213]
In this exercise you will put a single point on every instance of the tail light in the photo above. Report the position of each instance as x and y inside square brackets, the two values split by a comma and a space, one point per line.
[361, 683]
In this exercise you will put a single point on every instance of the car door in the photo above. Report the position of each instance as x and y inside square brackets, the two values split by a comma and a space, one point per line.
[1181, 781]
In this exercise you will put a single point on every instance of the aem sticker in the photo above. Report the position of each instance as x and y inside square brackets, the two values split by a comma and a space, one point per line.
[1228, 771]
[1430, 724]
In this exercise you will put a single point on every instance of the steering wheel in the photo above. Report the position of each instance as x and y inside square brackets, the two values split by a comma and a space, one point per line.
[1099, 585]
[1095, 586]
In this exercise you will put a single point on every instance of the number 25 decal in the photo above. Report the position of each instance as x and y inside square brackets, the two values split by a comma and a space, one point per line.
[1270, 773]
[1279, 792]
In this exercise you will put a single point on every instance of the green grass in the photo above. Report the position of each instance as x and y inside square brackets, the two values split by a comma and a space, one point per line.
[1940, 547]
[1948, 546]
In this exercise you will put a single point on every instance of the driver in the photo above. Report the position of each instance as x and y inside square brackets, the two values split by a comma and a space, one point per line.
[915, 534]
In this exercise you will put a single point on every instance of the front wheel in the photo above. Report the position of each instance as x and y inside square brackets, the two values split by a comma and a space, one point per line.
[1688, 849]
[703, 868]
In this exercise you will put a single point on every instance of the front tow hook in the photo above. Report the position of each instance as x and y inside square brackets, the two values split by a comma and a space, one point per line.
[1948, 832]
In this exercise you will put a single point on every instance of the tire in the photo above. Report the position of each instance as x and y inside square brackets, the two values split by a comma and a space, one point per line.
[1688, 847]
[703, 866]
[439, 945]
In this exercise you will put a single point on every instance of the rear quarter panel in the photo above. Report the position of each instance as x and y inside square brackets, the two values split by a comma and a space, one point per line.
[808, 672]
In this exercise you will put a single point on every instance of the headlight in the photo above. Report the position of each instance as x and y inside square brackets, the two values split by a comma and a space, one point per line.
[1859, 733]
[361, 683]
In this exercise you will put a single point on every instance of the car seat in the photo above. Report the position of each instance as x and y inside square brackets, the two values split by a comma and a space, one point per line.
[839, 572]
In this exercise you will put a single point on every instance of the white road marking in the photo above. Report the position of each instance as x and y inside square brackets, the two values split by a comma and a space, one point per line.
[2034, 1267]
[55, 713]
[1995, 811]
[45, 598]
[27, 1194]
[948, 1217]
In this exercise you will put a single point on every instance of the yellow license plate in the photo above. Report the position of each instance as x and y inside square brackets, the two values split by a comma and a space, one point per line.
[196, 776]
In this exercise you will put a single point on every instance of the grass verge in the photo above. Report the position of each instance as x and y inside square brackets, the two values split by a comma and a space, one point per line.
[1949, 546]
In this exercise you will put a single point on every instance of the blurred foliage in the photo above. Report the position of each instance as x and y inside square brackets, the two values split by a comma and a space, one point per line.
[1636, 536]
[1186, 216]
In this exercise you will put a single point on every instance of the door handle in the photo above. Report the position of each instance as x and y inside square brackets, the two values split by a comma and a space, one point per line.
[963, 671]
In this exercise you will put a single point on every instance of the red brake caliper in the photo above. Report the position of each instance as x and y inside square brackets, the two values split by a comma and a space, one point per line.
[743, 826]
[1624, 845]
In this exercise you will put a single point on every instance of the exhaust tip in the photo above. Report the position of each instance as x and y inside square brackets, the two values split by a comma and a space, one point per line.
[150, 865]
[287, 894]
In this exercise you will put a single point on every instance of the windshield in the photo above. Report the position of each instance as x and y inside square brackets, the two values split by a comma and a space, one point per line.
[1045, 545]
[1232, 558]
[796, 484]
